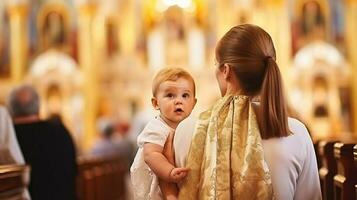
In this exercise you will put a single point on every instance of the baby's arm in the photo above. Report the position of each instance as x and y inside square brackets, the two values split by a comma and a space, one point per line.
[169, 190]
[160, 165]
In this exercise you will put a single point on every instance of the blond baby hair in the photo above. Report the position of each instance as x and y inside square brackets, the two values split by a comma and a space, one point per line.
[171, 74]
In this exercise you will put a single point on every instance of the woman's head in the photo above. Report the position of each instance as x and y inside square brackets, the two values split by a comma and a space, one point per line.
[247, 52]
[246, 49]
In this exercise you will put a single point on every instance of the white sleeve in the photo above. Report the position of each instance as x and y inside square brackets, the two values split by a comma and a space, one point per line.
[10, 152]
[182, 140]
[154, 132]
[308, 183]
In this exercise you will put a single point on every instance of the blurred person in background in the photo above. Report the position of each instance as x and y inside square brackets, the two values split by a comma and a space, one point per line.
[47, 147]
[112, 140]
[105, 144]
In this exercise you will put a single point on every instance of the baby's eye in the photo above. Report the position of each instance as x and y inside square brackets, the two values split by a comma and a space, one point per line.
[170, 95]
[186, 95]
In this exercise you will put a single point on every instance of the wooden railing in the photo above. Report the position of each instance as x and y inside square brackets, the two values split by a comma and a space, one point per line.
[328, 168]
[101, 178]
[14, 180]
[338, 171]
[346, 177]
[355, 159]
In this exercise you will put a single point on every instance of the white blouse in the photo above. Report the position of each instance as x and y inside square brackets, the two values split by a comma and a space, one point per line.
[291, 160]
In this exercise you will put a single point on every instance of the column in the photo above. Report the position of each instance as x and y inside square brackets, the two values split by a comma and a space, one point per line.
[18, 40]
[351, 44]
[87, 60]
[127, 28]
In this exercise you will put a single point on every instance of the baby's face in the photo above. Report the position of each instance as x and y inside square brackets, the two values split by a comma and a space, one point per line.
[175, 100]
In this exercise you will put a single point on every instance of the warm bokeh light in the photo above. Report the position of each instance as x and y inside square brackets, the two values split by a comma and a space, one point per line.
[102, 55]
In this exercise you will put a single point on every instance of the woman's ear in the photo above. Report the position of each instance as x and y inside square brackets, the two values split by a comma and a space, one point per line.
[226, 71]
[154, 103]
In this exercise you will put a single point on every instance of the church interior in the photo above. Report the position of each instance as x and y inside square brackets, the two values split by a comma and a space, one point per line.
[92, 61]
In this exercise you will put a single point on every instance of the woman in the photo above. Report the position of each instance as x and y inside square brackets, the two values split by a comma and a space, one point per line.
[242, 149]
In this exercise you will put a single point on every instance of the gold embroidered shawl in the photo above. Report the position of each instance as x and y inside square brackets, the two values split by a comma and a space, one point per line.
[226, 155]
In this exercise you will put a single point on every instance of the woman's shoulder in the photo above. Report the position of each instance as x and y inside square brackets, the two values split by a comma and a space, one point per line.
[299, 134]
[297, 127]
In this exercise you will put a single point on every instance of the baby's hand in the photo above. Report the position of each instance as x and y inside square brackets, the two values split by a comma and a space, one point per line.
[177, 174]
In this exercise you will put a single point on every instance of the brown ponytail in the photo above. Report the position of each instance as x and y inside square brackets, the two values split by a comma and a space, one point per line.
[250, 51]
[273, 111]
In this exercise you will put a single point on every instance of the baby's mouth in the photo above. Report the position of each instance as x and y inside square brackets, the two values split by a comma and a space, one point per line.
[178, 110]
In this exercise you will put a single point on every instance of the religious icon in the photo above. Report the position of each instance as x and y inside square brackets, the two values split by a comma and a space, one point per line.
[309, 25]
[4, 44]
[312, 18]
[53, 30]
[112, 37]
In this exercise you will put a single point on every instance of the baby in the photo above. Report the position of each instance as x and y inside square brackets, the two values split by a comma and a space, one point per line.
[174, 96]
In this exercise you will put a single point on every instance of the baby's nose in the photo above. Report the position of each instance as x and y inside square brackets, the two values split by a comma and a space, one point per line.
[178, 100]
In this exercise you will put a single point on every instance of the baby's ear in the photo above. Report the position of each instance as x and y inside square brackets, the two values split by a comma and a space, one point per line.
[154, 103]
[195, 102]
